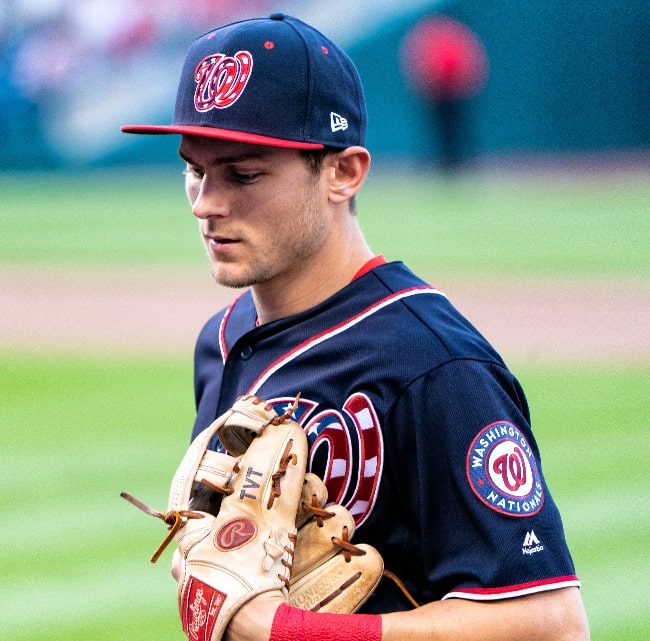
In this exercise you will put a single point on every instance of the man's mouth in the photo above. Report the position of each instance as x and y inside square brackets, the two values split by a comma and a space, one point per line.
[221, 242]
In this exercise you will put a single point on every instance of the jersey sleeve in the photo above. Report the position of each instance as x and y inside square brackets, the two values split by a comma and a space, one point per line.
[488, 527]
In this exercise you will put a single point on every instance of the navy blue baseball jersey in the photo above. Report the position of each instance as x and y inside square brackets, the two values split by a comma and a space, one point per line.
[415, 424]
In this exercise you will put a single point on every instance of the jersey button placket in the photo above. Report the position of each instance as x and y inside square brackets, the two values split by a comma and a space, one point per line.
[246, 352]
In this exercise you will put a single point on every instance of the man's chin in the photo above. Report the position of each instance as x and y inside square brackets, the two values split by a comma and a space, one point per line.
[233, 281]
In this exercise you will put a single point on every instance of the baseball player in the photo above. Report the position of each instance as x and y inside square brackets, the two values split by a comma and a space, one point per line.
[413, 420]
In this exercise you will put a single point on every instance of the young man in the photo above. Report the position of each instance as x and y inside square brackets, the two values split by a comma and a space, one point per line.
[414, 422]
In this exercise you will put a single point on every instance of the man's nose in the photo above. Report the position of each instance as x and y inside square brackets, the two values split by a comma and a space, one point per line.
[211, 200]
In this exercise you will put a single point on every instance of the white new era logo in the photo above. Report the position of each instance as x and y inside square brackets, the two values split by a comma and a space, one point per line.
[338, 123]
[530, 539]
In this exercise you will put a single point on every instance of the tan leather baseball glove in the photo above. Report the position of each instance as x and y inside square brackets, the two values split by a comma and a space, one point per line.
[253, 521]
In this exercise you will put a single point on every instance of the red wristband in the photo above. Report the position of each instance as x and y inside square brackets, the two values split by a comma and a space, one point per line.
[290, 624]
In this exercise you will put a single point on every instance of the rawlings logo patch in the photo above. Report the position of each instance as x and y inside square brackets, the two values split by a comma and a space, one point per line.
[221, 80]
[200, 606]
[235, 534]
[503, 472]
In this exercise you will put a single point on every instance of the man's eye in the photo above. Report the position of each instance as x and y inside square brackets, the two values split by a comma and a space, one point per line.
[245, 177]
[194, 171]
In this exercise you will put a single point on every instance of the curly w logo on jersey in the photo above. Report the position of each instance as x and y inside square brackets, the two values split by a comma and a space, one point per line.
[221, 80]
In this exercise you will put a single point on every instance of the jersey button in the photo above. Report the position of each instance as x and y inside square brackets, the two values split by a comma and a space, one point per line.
[246, 352]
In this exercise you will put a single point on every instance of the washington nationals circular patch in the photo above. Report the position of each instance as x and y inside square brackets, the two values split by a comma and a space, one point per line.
[503, 472]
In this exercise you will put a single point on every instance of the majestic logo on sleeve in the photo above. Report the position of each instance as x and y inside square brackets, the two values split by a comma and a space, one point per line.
[221, 80]
[503, 472]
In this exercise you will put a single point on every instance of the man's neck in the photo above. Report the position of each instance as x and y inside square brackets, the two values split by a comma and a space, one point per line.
[312, 283]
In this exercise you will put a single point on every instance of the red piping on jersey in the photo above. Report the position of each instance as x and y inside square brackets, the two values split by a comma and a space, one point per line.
[375, 261]
[521, 589]
[223, 347]
[336, 330]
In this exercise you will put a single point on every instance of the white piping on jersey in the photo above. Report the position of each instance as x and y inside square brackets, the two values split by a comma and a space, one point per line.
[338, 329]
[493, 594]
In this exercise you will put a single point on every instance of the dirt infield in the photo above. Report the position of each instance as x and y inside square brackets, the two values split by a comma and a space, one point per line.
[595, 321]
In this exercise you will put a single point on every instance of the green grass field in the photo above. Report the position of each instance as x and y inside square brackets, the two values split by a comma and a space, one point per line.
[79, 427]
[542, 226]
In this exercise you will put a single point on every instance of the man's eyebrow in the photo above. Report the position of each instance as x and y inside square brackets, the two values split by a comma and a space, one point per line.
[227, 160]
[184, 157]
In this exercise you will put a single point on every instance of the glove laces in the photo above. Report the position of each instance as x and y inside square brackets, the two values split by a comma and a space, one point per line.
[175, 519]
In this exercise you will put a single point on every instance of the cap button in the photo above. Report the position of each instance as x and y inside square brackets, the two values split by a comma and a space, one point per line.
[277, 16]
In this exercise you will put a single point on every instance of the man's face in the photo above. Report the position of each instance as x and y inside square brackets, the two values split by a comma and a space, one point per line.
[262, 213]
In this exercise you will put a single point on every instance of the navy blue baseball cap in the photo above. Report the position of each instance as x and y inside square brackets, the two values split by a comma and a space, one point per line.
[272, 81]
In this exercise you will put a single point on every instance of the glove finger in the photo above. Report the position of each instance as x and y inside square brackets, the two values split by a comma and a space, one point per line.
[315, 544]
[339, 586]
[314, 495]
[247, 418]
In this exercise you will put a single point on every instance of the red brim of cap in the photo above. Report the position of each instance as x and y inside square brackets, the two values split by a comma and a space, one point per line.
[220, 134]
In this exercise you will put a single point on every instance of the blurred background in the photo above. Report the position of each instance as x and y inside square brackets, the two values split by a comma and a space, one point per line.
[524, 78]
[511, 168]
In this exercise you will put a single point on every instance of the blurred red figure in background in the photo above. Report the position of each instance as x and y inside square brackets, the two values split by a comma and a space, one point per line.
[446, 64]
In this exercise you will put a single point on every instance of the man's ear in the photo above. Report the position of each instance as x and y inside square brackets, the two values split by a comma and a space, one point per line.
[347, 171]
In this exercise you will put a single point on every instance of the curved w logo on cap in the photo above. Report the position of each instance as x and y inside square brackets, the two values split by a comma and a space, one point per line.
[221, 80]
